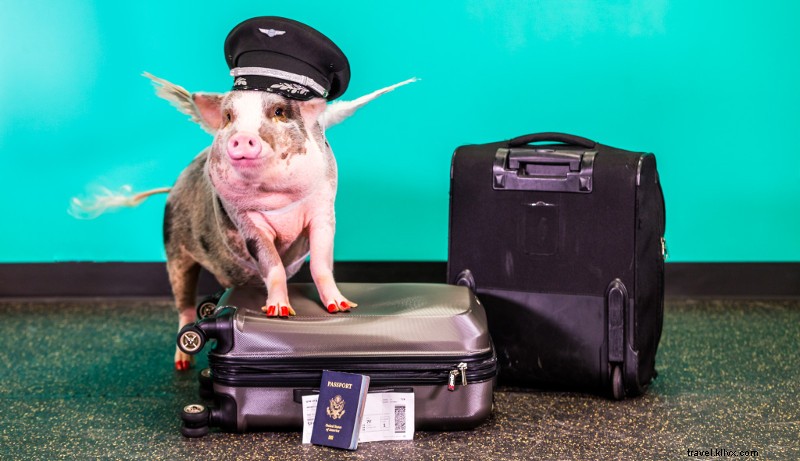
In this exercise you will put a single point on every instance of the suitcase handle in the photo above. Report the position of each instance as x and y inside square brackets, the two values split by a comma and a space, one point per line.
[545, 168]
[552, 136]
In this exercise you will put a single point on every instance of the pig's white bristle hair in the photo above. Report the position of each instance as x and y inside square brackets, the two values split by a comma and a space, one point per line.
[179, 97]
[103, 199]
[338, 111]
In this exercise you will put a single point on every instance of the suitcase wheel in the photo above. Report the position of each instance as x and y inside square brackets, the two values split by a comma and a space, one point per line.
[194, 432]
[191, 339]
[208, 305]
[617, 387]
[206, 309]
[195, 420]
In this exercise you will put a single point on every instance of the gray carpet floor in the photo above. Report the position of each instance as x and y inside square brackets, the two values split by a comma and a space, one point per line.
[94, 379]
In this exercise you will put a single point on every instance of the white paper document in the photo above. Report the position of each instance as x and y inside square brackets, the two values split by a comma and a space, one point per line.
[387, 416]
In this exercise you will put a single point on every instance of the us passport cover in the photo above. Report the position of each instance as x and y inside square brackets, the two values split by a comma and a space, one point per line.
[340, 409]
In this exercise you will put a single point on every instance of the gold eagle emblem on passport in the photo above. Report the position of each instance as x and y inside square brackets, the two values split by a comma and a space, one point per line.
[336, 408]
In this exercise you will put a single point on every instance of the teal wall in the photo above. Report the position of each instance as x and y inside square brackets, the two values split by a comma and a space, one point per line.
[712, 87]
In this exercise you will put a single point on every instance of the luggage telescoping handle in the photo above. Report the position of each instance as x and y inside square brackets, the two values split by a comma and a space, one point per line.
[545, 168]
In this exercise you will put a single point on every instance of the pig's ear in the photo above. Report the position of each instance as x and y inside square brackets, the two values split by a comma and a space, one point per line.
[185, 102]
[209, 108]
[340, 110]
[311, 110]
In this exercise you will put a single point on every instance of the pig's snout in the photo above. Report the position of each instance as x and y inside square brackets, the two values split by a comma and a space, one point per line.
[244, 146]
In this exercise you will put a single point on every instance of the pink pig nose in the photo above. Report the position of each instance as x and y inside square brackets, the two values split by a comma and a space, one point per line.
[244, 146]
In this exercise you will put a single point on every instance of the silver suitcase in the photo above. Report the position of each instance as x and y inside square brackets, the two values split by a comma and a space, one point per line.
[431, 339]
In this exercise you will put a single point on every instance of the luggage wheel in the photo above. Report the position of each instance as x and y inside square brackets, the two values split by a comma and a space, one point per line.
[617, 386]
[191, 339]
[208, 305]
[206, 309]
[195, 420]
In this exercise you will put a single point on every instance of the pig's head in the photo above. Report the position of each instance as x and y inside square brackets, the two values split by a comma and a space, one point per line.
[264, 140]
[261, 139]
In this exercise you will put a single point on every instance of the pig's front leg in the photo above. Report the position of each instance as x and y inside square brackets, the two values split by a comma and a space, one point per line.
[320, 238]
[183, 275]
[274, 275]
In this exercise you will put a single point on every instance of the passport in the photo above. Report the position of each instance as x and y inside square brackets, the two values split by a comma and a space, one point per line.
[340, 408]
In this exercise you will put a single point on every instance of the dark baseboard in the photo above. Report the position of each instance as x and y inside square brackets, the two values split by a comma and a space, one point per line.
[87, 279]
[733, 280]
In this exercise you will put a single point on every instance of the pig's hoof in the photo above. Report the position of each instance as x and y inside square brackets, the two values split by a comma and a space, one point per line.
[342, 306]
[183, 361]
[278, 310]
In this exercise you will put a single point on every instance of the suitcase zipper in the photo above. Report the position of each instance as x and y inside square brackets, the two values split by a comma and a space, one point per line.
[461, 369]
[390, 362]
[309, 372]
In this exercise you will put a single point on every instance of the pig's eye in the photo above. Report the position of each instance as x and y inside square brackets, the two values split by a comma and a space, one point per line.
[228, 116]
[279, 112]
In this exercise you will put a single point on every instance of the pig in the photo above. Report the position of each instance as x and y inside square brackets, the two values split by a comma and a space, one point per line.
[256, 203]
[252, 206]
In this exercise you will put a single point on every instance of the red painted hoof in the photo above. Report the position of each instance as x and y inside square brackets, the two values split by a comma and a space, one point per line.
[271, 311]
[284, 311]
[332, 308]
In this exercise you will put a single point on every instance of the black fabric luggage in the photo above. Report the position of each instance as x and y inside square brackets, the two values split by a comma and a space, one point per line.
[431, 339]
[563, 243]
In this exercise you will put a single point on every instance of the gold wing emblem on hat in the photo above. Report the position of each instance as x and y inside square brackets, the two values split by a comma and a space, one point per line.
[272, 32]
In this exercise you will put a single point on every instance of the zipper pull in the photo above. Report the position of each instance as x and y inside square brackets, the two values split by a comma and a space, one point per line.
[462, 368]
[451, 380]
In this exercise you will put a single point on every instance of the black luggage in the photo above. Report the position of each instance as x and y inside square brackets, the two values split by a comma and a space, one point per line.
[428, 339]
[564, 245]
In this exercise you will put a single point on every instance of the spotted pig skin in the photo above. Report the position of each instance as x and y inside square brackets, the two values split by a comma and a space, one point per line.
[252, 206]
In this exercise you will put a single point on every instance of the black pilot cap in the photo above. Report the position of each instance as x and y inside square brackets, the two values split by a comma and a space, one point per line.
[283, 56]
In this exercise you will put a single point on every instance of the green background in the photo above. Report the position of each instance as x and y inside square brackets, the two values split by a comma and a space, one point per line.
[712, 87]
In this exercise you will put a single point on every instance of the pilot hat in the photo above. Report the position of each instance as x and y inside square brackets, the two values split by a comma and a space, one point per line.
[280, 55]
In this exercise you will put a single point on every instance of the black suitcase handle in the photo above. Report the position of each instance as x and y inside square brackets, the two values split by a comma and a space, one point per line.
[533, 168]
[552, 136]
